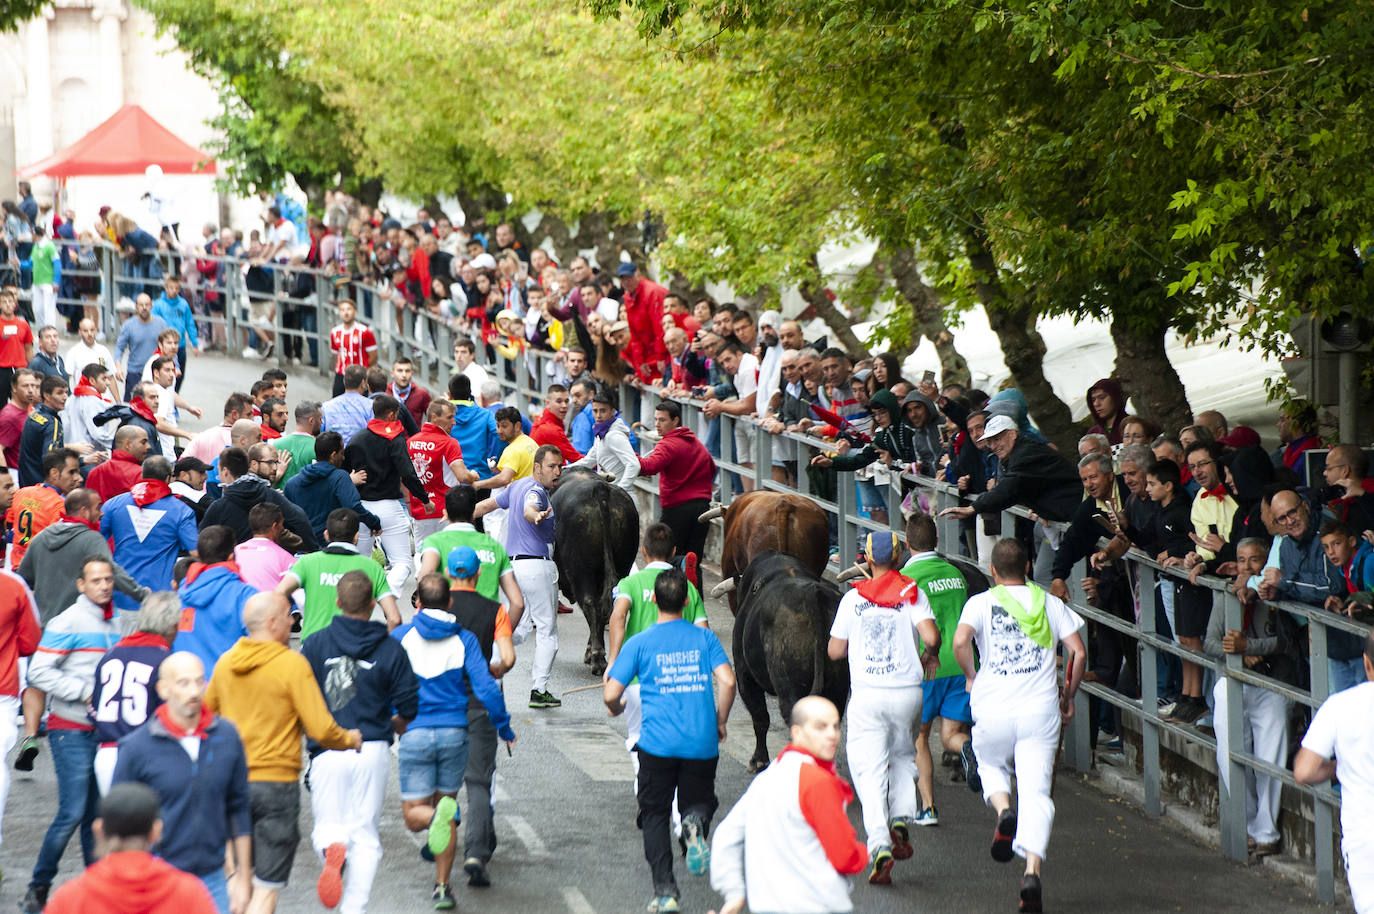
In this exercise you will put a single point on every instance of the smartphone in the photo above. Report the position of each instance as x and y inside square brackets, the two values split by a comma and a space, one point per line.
[928, 375]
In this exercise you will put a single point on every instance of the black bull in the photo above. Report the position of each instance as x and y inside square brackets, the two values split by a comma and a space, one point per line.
[596, 535]
[781, 632]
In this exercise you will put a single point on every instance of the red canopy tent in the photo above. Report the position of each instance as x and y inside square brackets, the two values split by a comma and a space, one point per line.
[125, 144]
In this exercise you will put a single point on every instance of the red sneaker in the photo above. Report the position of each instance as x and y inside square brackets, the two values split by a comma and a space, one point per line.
[563, 609]
[330, 885]
[689, 568]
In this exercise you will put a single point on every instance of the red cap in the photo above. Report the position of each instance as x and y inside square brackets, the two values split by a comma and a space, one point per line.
[1241, 436]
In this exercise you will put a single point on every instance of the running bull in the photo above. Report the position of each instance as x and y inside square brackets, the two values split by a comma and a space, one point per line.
[759, 521]
[780, 637]
[594, 547]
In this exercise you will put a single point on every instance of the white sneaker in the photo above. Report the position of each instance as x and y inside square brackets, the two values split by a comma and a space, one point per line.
[250, 353]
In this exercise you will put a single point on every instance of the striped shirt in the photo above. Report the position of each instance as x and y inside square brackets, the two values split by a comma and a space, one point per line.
[351, 346]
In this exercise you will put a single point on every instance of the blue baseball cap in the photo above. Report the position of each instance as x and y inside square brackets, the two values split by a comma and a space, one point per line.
[881, 548]
[626, 269]
[463, 562]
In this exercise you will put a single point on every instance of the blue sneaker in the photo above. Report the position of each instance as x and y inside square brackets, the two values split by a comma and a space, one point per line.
[698, 851]
[663, 904]
[927, 817]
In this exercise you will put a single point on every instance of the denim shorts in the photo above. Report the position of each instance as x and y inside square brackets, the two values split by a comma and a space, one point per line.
[947, 698]
[432, 760]
[869, 496]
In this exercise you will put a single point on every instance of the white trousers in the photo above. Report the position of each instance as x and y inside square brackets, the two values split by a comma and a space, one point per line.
[1265, 722]
[106, 757]
[44, 308]
[423, 528]
[881, 748]
[1026, 746]
[538, 580]
[1359, 873]
[9, 733]
[494, 524]
[395, 540]
[347, 790]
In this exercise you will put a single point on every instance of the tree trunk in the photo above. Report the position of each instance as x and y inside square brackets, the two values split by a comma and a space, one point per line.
[1023, 349]
[813, 291]
[1147, 375]
[927, 316]
[369, 191]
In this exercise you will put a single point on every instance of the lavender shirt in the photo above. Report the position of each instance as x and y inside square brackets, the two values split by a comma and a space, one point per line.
[523, 537]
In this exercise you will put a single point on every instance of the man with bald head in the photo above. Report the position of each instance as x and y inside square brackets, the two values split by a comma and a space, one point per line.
[1213, 421]
[791, 826]
[194, 761]
[125, 466]
[270, 693]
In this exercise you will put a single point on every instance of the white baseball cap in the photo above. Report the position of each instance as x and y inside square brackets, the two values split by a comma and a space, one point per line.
[996, 426]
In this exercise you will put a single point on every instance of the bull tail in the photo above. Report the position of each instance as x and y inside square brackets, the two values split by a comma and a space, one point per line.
[818, 660]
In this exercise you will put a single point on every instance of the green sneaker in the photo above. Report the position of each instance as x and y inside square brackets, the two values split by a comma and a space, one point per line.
[900, 834]
[544, 699]
[663, 904]
[28, 751]
[440, 827]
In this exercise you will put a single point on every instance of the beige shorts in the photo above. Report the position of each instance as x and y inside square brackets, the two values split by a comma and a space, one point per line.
[261, 311]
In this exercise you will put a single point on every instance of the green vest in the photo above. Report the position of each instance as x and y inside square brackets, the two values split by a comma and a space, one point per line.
[944, 587]
[639, 588]
[319, 574]
[492, 555]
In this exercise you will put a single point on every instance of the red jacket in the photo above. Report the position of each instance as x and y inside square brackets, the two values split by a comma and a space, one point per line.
[132, 882]
[644, 311]
[686, 470]
[115, 476]
[417, 401]
[548, 429]
[19, 630]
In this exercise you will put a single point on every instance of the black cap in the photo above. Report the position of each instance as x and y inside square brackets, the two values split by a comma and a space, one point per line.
[191, 463]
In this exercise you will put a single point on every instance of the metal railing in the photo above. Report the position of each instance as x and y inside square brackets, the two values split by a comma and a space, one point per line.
[427, 339]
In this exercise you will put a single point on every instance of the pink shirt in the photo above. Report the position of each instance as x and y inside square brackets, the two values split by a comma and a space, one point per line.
[208, 444]
[262, 563]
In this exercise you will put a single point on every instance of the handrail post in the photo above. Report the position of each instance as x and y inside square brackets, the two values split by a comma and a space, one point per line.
[844, 507]
[1078, 750]
[1232, 800]
[1149, 691]
[278, 321]
[763, 457]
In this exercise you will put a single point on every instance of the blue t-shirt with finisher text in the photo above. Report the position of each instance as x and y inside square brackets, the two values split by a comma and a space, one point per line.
[673, 661]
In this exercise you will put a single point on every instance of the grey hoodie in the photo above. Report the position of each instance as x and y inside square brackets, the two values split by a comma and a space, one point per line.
[53, 562]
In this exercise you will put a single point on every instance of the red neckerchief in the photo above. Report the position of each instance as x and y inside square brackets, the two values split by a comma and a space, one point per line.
[85, 389]
[142, 409]
[891, 588]
[269, 433]
[201, 728]
[387, 430]
[1343, 503]
[147, 491]
[143, 639]
[1185, 475]
[197, 568]
[68, 519]
[1219, 493]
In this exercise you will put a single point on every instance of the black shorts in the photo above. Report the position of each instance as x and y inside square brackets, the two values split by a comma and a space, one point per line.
[1192, 611]
[276, 810]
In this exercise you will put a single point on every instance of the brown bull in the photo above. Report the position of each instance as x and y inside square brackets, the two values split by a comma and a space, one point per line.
[760, 521]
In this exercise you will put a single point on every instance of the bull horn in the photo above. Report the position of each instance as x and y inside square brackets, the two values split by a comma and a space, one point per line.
[851, 573]
[716, 510]
[724, 587]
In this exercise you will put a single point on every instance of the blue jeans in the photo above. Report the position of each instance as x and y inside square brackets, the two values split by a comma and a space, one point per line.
[78, 801]
[1168, 669]
[218, 886]
[1344, 674]
[432, 760]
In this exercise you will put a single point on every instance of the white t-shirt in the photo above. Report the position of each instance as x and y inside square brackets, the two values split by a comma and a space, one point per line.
[478, 376]
[81, 355]
[285, 232]
[167, 409]
[1015, 674]
[1343, 729]
[884, 650]
[746, 380]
